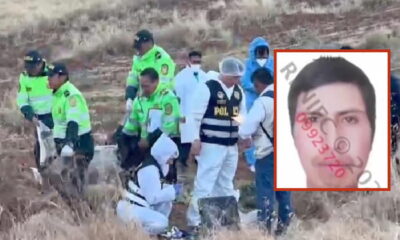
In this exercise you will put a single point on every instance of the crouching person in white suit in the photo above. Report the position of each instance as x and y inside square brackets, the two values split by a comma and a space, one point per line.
[147, 199]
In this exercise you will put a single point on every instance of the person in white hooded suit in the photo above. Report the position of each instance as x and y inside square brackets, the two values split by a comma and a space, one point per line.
[147, 199]
[186, 83]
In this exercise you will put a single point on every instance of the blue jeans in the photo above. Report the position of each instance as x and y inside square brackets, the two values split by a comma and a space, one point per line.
[265, 195]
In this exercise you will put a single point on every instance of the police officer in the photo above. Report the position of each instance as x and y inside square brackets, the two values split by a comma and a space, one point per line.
[72, 128]
[34, 96]
[155, 110]
[259, 126]
[148, 55]
[217, 107]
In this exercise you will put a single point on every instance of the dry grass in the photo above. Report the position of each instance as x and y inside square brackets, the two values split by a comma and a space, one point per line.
[14, 13]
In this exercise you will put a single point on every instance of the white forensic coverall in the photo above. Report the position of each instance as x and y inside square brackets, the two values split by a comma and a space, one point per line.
[216, 163]
[157, 203]
[186, 82]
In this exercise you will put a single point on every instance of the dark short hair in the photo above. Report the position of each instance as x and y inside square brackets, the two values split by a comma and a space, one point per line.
[263, 76]
[195, 54]
[151, 73]
[328, 70]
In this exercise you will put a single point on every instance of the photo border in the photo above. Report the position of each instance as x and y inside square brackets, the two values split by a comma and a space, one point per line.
[276, 51]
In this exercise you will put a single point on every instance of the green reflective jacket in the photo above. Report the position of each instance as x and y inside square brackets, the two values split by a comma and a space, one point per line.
[35, 92]
[157, 58]
[162, 106]
[69, 105]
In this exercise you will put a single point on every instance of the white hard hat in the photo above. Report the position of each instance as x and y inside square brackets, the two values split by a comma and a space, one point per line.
[231, 66]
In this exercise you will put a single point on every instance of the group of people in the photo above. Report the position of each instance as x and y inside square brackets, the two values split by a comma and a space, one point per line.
[169, 118]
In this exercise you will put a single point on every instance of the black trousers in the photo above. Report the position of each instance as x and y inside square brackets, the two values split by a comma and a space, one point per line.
[184, 150]
[47, 119]
[84, 146]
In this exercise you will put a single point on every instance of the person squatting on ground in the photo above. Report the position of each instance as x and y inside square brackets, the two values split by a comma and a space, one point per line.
[147, 198]
[259, 125]
[215, 134]
[72, 128]
[34, 97]
[259, 57]
[156, 109]
[186, 82]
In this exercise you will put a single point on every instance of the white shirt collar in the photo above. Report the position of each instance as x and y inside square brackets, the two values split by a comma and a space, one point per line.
[269, 88]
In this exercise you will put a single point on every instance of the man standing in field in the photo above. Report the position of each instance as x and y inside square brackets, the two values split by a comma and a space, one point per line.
[35, 98]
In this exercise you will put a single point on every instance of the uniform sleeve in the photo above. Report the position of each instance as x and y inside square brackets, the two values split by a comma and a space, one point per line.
[22, 97]
[167, 71]
[150, 185]
[132, 125]
[170, 114]
[199, 106]
[253, 119]
[73, 109]
[23, 100]
[74, 115]
[132, 82]
[180, 88]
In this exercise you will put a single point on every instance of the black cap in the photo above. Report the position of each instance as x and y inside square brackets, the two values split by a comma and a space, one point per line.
[57, 68]
[32, 59]
[142, 36]
[346, 47]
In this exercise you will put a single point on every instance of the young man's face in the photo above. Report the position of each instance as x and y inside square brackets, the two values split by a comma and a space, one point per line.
[341, 139]
[195, 60]
[56, 81]
[147, 85]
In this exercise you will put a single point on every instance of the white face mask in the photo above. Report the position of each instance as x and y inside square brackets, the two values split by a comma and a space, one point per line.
[261, 61]
[195, 67]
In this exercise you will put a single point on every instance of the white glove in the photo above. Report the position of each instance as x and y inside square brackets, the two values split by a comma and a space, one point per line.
[67, 151]
[128, 105]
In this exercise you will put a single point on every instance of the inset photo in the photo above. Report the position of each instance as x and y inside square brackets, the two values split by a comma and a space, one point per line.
[332, 123]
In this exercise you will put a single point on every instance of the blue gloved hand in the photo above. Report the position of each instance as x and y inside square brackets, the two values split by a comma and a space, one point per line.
[178, 189]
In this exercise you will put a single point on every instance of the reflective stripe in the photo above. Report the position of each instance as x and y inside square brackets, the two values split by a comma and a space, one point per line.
[165, 79]
[73, 110]
[135, 199]
[79, 118]
[129, 132]
[171, 119]
[216, 122]
[219, 134]
[23, 97]
[133, 194]
[41, 98]
[23, 105]
[133, 121]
